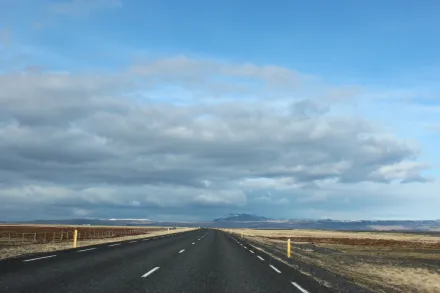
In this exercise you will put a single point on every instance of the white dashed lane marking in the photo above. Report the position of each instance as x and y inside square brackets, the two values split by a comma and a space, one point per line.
[182, 251]
[150, 272]
[37, 258]
[115, 244]
[88, 249]
[275, 269]
[260, 257]
[299, 287]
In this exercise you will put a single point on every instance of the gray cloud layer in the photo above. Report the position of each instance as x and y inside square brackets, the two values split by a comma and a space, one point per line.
[89, 144]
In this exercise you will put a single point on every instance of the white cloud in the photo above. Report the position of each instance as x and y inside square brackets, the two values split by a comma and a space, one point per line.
[86, 142]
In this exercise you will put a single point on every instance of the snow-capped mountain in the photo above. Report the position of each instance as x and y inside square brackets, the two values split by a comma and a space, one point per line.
[240, 218]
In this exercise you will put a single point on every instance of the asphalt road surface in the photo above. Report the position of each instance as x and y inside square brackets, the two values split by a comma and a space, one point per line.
[202, 260]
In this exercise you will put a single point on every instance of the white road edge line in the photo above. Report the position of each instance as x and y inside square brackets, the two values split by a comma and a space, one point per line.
[275, 269]
[182, 251]
[87, 249]
[150, 272]
[299, 287]
[32, 259]
[260, 257]
[132, 242]
[115, 244]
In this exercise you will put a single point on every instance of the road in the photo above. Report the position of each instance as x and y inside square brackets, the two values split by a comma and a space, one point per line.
[201, 260]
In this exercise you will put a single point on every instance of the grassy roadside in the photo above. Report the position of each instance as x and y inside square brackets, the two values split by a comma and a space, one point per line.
[382, 262]
[14, 251]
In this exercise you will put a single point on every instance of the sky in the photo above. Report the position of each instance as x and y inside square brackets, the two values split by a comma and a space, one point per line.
[188, 110]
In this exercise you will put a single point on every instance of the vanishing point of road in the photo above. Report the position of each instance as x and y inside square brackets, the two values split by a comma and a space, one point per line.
[202, 261]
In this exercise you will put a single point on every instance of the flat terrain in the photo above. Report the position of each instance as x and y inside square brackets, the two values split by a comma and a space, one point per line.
[21, 234]
[382, 262]
[17, 240]
[195, 261]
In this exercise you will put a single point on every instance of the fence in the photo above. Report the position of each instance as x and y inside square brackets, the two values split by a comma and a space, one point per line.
[20, 238]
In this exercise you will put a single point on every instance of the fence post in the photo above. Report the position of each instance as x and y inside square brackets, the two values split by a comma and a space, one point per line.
[22, 238]
[288, 248]
[62, 234]
[9, 237]
[53, 237]
[44, 237]
[35, 237]
[75, 235]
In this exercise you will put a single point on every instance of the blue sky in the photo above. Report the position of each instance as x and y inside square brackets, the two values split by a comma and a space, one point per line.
[287, 109]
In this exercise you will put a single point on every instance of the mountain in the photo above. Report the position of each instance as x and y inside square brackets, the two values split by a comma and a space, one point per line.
[259, 222]
[241, 218]
[94, 222]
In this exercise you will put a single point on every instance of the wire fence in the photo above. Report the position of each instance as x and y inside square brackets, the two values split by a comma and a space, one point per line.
[11, 238]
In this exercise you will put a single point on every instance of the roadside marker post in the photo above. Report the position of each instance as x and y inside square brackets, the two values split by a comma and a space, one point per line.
[75, 236]
[288, 248]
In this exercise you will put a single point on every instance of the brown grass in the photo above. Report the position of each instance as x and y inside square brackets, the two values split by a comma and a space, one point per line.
[13, 251]
[383, 262]
[337, 234]
[400, 278]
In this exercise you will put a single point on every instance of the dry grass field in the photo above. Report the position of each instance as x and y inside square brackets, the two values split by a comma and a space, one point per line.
[16, 240]
[382, 262]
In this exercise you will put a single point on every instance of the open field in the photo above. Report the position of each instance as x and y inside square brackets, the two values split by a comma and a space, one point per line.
[18, 240]
[31, 234]
[382, 262]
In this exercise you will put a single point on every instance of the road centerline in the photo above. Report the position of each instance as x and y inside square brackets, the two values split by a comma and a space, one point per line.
[150, 272]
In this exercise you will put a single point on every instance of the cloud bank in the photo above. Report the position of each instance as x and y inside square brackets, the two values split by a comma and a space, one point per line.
[185, 138]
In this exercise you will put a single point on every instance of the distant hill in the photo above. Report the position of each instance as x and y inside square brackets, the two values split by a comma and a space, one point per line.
[363, 225]
[94, 222]
[260, 222]
[240, 218]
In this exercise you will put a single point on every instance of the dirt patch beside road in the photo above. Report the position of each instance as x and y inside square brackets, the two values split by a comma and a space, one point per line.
[363, 242]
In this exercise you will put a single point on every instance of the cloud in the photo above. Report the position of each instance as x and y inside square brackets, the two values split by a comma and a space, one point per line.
[82, 7]
[218, 77]
[90, 144]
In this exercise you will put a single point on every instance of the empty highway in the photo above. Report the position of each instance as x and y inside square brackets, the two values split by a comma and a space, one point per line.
[202, 260]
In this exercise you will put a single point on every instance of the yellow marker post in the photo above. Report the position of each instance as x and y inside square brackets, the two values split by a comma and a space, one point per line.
[288, 248]
[75, 236]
